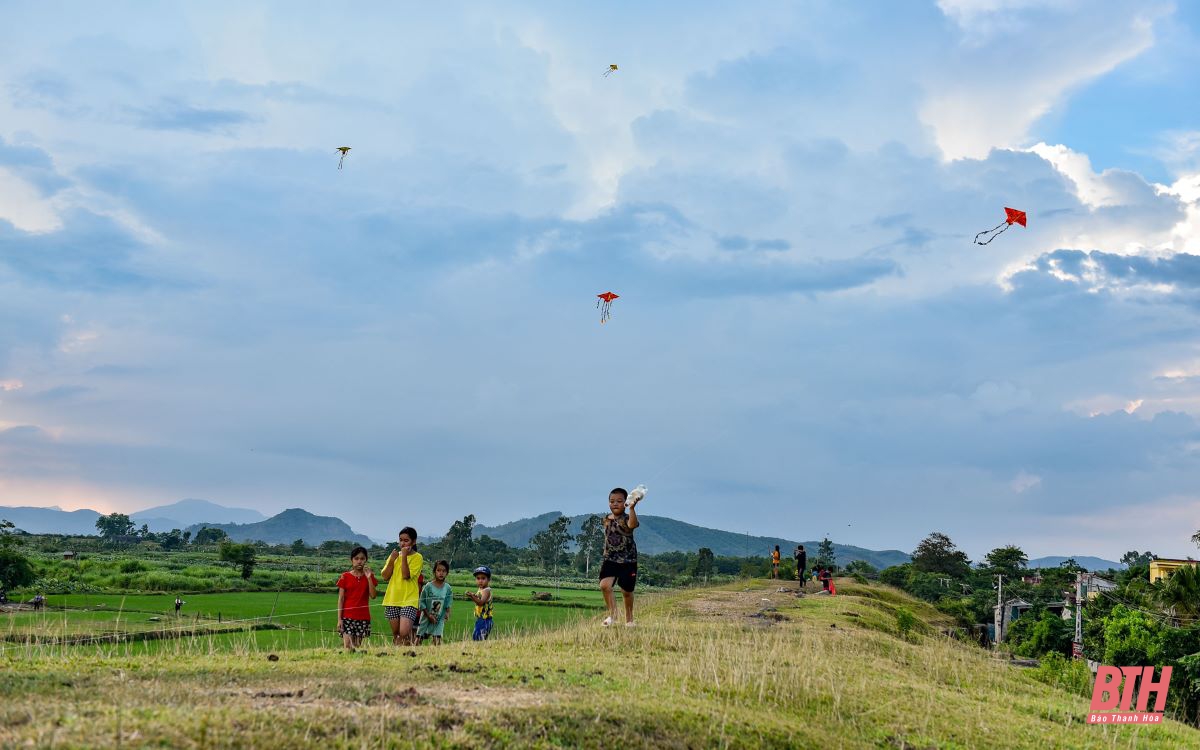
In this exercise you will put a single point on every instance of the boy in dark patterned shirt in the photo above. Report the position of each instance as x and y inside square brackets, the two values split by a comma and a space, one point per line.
[620, 554]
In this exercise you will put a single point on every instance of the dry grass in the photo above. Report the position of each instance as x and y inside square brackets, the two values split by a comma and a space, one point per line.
[703, 669]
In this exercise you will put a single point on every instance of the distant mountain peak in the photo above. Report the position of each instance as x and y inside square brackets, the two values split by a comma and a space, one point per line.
[191, 511]
[291, 524]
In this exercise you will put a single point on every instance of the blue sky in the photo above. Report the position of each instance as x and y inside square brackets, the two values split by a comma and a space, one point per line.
[196, 302]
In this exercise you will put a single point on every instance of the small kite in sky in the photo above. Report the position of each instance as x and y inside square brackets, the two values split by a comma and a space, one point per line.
[605, 305]
[611, 69]
[345, 150]
[1011, 216]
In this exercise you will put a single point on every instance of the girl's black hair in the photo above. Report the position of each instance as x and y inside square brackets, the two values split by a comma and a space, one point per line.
[443, 564]
[776, 547]
[354, 553]
[621, 491]
[412, 533]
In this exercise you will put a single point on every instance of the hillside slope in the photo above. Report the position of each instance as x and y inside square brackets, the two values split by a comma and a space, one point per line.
[51, 520]
[288, 526]
[743, 666]
[659, 534]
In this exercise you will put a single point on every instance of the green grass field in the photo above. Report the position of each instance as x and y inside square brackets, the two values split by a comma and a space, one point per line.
[738, 666]
[307, 620]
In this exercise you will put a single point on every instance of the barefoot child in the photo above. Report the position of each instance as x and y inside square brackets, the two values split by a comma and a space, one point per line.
[619, 564]
[483, 603]
[435, 602]
[775, 563]
[403, 594]
[356, 588]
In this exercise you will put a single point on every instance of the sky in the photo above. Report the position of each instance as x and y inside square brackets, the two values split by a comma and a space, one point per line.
[196, 302]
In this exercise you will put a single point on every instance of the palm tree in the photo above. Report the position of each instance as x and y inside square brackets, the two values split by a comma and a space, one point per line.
[1179, 594]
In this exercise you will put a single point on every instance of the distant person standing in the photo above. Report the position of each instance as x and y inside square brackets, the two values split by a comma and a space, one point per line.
[775, 563]
[801, 558]
[178, 605]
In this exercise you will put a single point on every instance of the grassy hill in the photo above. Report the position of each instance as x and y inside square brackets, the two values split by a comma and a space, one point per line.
[659, 534]
[742, 666]
[291, 524]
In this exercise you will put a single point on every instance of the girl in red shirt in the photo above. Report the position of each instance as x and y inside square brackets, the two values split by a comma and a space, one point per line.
[356, 588]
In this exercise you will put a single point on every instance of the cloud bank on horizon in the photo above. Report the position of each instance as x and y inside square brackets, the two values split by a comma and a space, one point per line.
[195, 302]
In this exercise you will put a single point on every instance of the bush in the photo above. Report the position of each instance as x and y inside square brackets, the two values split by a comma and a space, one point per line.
[860, 578]
[905, 621]
[133, 566]
[15, 570]
[1071, 675]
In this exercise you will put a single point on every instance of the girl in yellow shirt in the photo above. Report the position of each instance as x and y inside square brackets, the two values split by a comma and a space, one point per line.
[402, 598]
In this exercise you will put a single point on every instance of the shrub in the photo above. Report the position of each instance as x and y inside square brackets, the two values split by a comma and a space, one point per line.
[133, 566]
[1071, 675]
[905, 621]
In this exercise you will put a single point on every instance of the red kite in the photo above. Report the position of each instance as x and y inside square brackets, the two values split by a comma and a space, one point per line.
[605, 305]
[1011, 216]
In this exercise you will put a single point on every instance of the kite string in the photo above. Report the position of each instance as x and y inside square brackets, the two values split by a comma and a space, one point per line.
[995, 232]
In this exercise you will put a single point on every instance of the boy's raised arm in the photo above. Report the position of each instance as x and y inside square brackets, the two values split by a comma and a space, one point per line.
[633, 521]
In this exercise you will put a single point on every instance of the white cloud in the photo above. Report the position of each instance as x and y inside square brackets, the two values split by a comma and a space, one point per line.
[1015, 62]
[23, 206]
[1024, 481]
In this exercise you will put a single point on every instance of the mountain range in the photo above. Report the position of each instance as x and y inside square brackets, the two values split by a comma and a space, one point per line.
[1088, 562]
[185, 513]
[658, 534]
[180, 515]
[288, 526]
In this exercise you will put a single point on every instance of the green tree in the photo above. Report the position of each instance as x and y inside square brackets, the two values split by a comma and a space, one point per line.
[863, 568]
[337, 546]
[550, 544]
[1130, 637]
[239, 554]
[114, 526]
[15, 570]
[299, 547]
[172, 539]
[1179, 594]
[825, 556]
[896, 575]
[1133, 558]
[704, 564]
[1009, 560]
[209, 535]
[937, 554]
[591, 541]
[458, 539]
[1035, 635]
[8, 536]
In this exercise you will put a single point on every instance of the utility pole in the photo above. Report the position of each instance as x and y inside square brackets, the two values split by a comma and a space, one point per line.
[999, 618]
[1077, 646]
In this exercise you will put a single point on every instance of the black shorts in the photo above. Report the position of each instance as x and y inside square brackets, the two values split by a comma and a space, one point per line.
[625, 573]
